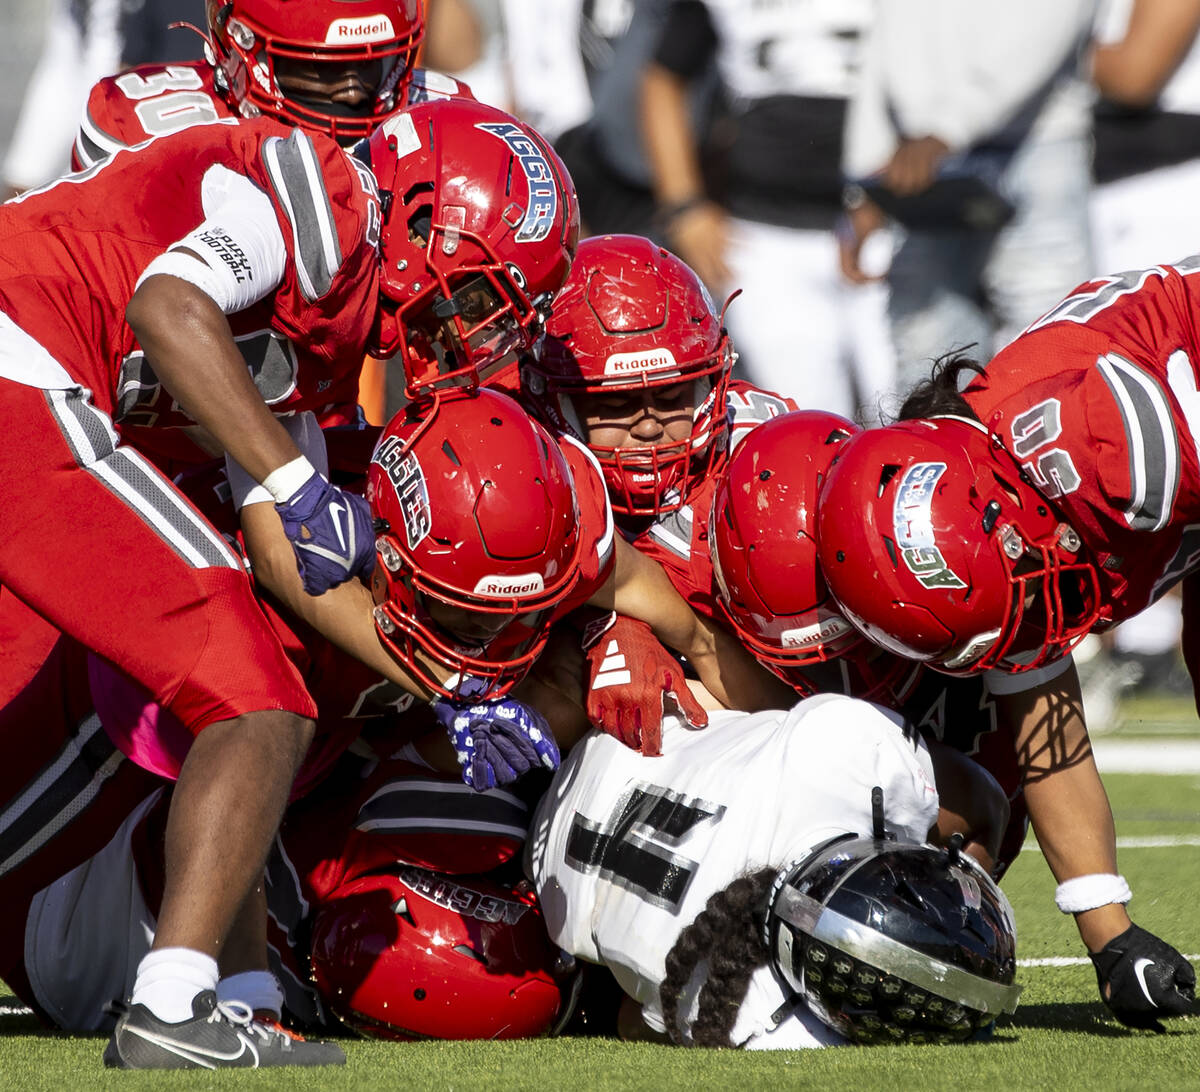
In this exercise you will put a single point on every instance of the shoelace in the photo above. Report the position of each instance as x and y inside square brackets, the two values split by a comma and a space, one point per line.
[242, 1015]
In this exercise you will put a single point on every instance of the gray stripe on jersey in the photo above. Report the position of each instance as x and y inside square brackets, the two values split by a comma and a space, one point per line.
[295, 175]
[290, 910]
[1154, 457]
[288, 906]
[410, 805]
[89, 434]
[59, 794]
[674, 532]
[93, 144]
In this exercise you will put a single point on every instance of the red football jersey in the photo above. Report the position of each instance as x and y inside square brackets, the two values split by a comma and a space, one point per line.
[1096, 401]
[71, 253]
[678, 540]
[153, 100]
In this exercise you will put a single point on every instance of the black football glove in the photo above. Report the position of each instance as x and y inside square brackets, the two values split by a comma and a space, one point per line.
[1142, 978]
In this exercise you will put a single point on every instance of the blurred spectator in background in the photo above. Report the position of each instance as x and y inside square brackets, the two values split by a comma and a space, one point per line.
[972, 123]
[454, 36]
[1146, 65]
[760, 213]
[85, 41]
[570, 68]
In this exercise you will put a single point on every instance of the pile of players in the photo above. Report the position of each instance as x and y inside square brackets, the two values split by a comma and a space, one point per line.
[300, 685]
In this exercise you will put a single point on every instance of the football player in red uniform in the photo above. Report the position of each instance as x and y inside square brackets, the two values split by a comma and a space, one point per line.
[762, 534]
[371, 873]
[448, 471]
[635, 364]
[991, 530]
[327, 66]
[123, 293]
[463, 597]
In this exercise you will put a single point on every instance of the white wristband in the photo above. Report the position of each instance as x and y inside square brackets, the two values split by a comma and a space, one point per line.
[284, 480]
[1081, 893]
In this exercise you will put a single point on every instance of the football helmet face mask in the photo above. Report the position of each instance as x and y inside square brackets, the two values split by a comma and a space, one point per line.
[316, 48]
[480, 223]
[414, 954]
[634, 319]
[762, 540]
[937, 548]
[893, 941]
[477, 539]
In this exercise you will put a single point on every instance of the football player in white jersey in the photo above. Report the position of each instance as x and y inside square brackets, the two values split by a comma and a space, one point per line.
[651, 866]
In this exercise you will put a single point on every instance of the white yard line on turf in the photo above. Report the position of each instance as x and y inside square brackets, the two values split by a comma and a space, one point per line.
[1149, 841]
[1163, 756]
[1068, 961]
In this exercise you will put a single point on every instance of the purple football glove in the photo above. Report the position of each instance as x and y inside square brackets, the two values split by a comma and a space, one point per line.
[332, 533]
[497, 742]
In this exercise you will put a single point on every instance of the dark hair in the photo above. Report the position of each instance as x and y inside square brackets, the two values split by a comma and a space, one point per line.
[939, 395]
[728, 933]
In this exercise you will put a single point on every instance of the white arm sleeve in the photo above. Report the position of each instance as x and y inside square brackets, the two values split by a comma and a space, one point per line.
[308, 437]
[237, 255]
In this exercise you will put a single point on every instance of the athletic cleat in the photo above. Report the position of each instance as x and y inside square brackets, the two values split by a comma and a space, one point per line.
[220, 1035]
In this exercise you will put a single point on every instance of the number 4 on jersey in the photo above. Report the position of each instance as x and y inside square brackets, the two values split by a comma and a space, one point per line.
[637, 848]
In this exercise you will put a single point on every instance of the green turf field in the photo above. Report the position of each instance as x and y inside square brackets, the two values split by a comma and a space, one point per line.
[1060, 1037]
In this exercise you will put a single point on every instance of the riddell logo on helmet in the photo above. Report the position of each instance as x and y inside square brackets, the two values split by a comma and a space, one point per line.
[645, 361]
[827, 629]
[461, 899]
[504, 586]
[370, 28]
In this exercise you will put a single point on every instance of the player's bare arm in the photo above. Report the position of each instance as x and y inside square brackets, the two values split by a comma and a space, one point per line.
[188, 342]
[342, 615]
[1067, 803]
[971, 803]
[640, 589]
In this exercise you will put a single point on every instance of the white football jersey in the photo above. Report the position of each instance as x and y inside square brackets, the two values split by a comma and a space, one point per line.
[790, 47]
[626, 850]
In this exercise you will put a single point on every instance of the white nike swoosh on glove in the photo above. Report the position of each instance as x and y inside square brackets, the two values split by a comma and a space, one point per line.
[1139, 972]
[336, 511]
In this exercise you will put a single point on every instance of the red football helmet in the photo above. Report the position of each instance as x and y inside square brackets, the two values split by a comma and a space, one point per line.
[477, 538]
[413, 954]
[937, 547]
[378, 38]
[762, 539]
[480, 224]
[633, 317]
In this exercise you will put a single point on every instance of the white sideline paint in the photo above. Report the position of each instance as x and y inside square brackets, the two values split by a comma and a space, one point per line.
[1164, 756]
[1071, 961]
[1149, 841]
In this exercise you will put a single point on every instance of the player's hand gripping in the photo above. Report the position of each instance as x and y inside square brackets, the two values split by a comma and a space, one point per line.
[496, 742]
[1143, 978]
[331, 532]
[631, 678]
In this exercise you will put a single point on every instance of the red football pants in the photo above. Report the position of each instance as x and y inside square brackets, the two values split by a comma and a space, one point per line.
[103, 547]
